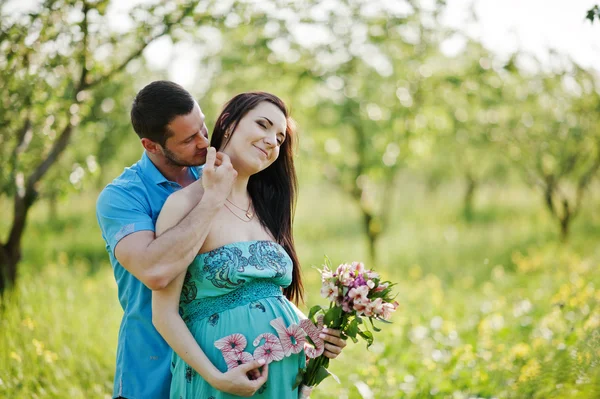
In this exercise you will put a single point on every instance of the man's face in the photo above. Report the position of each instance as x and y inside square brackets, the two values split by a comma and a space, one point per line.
[188, 143]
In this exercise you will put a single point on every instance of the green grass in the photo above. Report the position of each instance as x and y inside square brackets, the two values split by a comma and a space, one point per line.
[494, 308]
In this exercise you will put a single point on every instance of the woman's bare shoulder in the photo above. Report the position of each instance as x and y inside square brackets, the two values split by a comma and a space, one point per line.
[177, 205]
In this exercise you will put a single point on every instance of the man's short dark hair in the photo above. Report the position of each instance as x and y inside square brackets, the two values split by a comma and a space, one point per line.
[155, 106]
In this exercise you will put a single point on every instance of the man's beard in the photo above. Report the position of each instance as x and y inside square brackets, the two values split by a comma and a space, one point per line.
[173, 160]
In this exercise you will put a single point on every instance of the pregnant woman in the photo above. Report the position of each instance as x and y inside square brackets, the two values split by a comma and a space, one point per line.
[229, 319]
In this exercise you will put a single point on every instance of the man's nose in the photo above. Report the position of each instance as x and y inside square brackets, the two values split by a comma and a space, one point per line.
[202, 140]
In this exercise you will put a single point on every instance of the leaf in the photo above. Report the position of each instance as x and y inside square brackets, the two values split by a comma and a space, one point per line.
[323, 373]
[593, 13]
[352, 329]
[373, 325]
[313, 311]
[299, 378]
[368, 336]
[334, 314]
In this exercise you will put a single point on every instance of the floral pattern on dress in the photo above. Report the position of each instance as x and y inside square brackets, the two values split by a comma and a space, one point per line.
[258, 305]
[189, 289]
[267, 255]
[189, 373]
[223, 263]
[213, 320]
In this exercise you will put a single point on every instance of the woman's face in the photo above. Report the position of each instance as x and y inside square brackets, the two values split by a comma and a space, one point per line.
[255, 143]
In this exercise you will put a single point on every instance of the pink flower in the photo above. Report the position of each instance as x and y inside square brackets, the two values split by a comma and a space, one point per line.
[345, 276]
[329, 290]
[381, 287]
[313, 332]
[291, 338]
[234, 359]
[346, 307]
[376, 306]
[370, 284]
[388, 309]
[232, 343]
[367, 308]
[372, 275]
[361, 293]
[360, 305]
[326, 274]
[358, 268]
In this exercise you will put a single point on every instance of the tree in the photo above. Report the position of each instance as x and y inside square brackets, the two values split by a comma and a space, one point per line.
[553, 136]
[470, 95]
[357, 74]
[57, 64]
[360, 88]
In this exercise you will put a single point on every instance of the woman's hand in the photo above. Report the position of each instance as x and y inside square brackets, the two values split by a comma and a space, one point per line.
[243, 380]
[333, 343]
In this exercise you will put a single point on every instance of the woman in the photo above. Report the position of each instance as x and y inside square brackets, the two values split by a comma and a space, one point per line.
[227, 317]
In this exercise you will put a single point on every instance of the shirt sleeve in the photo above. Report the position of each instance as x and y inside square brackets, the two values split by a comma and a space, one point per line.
[120, 213]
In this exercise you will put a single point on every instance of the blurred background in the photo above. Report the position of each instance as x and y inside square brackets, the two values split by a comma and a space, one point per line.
[452, 145]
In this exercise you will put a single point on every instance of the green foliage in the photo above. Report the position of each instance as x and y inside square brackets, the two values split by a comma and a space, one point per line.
[552, 119]
[499, 311]
[593, 13]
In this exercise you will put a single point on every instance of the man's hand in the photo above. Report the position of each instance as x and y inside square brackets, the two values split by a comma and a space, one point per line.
[218, 175]
[333, 343]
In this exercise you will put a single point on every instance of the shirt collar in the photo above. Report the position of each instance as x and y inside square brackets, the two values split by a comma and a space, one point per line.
[150, 170]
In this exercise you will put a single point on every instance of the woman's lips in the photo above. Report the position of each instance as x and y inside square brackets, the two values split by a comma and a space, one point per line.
[263, 151]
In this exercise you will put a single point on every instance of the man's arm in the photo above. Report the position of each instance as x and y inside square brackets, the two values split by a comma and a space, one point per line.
[156, 261]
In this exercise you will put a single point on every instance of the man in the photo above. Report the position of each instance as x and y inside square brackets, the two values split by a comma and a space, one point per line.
[173, 133]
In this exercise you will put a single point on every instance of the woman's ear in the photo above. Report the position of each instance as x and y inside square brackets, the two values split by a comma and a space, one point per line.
[229, 131]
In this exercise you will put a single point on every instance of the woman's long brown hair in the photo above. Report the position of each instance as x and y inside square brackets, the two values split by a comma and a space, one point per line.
[273, 190]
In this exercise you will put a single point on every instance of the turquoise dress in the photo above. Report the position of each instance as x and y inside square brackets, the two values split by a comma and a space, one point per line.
[233, 294]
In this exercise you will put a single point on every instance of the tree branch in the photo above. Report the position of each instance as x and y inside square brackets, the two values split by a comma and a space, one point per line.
[136, 53]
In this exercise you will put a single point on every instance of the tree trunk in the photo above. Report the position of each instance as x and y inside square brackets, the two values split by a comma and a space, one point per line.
[565, 221]
[9, 258]
[52, 208]
[10, 252]
[468, 197]
[371, 235]
[564, 229]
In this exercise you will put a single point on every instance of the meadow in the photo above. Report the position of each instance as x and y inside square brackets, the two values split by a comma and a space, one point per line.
[493, 308]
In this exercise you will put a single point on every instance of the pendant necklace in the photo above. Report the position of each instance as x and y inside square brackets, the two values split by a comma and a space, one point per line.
[247, 212]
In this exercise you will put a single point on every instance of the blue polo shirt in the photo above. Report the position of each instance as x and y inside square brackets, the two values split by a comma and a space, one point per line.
[132, 203]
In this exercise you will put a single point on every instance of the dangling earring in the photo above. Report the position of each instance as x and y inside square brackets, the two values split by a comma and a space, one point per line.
[228, 132]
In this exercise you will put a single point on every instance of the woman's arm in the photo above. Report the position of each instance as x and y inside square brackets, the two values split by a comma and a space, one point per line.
[156, 261]
[168, 322]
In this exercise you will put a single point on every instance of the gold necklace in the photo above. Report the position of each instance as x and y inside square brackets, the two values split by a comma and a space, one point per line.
[247, 212]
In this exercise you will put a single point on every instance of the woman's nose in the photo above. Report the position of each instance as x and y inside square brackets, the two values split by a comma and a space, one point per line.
[270, 140]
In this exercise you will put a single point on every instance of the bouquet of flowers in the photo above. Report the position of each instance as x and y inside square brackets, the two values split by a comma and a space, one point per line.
[357, 295]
